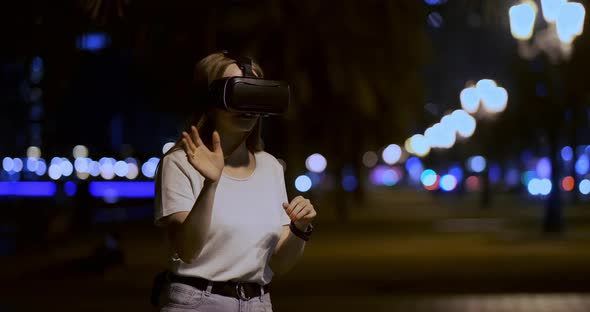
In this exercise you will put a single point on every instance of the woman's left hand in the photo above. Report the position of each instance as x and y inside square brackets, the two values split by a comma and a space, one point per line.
[301, 212]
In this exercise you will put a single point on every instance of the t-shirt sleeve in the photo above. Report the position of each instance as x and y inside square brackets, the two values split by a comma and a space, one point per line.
[285, 220]
[174, 190]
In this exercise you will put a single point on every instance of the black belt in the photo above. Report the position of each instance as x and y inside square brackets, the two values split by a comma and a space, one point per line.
[239, 290]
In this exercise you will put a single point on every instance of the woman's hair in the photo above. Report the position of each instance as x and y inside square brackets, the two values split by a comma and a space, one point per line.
[208, 69]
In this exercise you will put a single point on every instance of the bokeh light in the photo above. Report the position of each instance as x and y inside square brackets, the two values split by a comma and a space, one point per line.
[370, 159]
[457, 171]
[80, 151]
[32, 164]
[493, 98]
[55, 171]
[133, 171]
[539, 186]
[316, 163]
[568, 183]
[428, 177]
[303, 183]
[33, 152]
[522, 19]
[582, 165]
[567, 153]
[121, 168]
[550, 9]
[167, 147]
[464, 123]
[570, 21]
[472, 183]
[41, 167]
[7, 164]
[476, 164]
[584, 187]
[82, 164]
[448, 182]
[414, 167]
[419, 145]
[435, 20]
[390, 177]
[66, 167]
[441, 135]
[544, 168]
[512, 177]
[349, 183]
[18, 165]
[391, 154]
[527, 176]
[495, 173]
[470, 100]
[70, 188]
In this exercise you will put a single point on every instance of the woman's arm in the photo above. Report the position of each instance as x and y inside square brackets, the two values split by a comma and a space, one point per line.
[188, 230]
[288, 251]
[290, 247]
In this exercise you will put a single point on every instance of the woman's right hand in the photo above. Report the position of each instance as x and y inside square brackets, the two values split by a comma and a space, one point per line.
[208, 163]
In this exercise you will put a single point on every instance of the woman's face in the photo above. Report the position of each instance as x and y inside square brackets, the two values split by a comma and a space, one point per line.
[230, 121]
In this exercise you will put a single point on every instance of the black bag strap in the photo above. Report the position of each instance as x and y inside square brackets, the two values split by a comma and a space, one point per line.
[244, 63]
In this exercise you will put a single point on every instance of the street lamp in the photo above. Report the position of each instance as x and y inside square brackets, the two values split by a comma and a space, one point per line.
[485, 100]
[564, 22]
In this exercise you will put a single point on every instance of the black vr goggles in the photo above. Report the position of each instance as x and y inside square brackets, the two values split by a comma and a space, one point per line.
[249, 94]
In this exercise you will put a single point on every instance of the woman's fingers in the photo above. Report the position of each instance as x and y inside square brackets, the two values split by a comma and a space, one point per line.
[293, 203]
[216, 142]
[195, 136]
[309, 214]
[188, 142]
[299, 207]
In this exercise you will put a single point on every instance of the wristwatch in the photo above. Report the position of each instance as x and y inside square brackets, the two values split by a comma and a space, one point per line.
[304, 235]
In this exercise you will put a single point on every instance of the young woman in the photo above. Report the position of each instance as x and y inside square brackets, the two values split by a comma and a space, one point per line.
[223, 202]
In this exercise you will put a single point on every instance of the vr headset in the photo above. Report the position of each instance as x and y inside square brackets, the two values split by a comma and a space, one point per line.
[249, 94]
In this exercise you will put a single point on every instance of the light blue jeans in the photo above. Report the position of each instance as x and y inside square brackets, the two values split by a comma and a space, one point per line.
[177, 297]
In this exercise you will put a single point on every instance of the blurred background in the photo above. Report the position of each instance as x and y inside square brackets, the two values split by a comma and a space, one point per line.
[444, 143]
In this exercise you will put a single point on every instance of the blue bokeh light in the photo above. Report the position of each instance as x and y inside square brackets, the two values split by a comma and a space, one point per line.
[70, 188]
[435, 20]
[567, 153]
[28, 189]
[303, 183]
[414, 167]
[582, 165]
[121, 189]
[390, 177]
[448, 182]
[477, 164]
[512, 177]
[495, 173]
[93, 41]
[539, 186]
[349, 183]
[544, 168]
[457, 171]
[428, 177]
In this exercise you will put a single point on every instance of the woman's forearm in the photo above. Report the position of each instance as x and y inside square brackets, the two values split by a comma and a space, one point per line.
[287, 253]
[192, 233]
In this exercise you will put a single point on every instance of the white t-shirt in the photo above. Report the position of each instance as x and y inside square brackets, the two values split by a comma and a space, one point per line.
[246, 222]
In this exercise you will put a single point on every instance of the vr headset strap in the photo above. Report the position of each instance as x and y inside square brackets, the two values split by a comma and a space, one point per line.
[244, 63]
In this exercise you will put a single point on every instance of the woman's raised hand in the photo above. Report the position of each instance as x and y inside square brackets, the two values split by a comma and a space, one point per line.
[208, 163]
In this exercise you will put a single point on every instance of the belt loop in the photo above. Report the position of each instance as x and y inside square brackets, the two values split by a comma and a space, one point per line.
[261, 292]
[209, 288]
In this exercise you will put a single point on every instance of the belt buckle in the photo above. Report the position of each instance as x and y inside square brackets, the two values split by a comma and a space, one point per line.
[241, 292]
